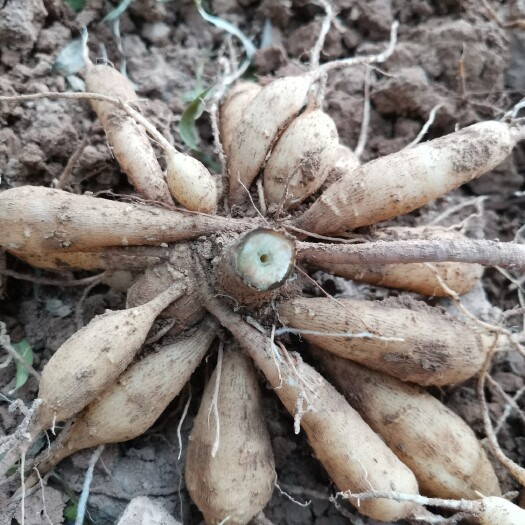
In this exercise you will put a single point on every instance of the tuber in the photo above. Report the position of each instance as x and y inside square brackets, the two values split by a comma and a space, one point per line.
[129, 142]
[38, 219]
[421, 345]
[415, 277]
[230, 473]
[267, 113]
[401, 182]
[354, 456]
[233, 108]
[301, 160]
[128, 407]
[438, 446]
[92, 358]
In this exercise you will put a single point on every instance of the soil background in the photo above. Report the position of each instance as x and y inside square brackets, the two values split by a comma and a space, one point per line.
[450, 52]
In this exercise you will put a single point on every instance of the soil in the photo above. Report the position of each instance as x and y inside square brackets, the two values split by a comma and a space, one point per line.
[450, 52]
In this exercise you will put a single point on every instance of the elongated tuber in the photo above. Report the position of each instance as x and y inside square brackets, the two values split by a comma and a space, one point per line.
[403, 181]
[40, 219]
[354, 456]
[420, 345]
[128, 407]
[267, 113]
[233, 108]
[301, 160]
[91, 359]
[129, 142]
[416, 277]
[438, 446]
[230, 473]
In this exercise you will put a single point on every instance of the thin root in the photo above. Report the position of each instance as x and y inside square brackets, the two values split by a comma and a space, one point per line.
[82, 501]
[215, 400]
[515, 470]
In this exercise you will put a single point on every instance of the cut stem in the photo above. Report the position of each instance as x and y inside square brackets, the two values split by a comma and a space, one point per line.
[256, 265]
[488, 253]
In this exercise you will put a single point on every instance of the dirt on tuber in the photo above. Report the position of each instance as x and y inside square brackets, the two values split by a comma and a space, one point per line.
[438, 446]
[421, 345]
[230, 473]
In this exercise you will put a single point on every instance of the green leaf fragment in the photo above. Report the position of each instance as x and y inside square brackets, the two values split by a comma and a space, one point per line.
[24, 350]
[207, 161]
[70, 512]
[249, 47]
[115, 13]
[76, 5]
[187, 128]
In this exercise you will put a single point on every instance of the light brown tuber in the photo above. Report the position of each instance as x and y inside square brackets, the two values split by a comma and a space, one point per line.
[438, 446]
[417, 344]
[230, 473]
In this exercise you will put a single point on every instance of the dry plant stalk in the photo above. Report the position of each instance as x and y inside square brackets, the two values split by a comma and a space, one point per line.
[415, 277]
